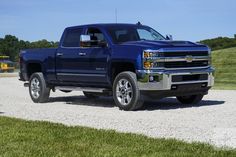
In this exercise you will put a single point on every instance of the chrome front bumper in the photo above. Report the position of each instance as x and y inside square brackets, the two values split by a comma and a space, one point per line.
[164, 78]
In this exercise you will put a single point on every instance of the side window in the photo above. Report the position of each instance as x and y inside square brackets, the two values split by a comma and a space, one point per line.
[72, 37]
[120, 35]
[96, 36]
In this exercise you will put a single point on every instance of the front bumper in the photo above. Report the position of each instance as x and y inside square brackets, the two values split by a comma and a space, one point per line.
[159, 80]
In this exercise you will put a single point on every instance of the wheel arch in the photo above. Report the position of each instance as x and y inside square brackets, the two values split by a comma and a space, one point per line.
[117, 67]
[33, 67]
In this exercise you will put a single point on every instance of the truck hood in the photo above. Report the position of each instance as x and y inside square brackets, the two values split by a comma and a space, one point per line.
[161, 44]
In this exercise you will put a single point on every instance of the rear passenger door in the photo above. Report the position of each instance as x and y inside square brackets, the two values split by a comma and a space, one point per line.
[70, 65]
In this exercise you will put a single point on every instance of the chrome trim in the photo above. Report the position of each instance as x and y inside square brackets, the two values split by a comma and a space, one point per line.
[189, 82]
[85, 38]
[86, 89]
[165, 82]
[174, 71]
[91, 75]
[179, 59]
[82, 54]
[187, 68]
[162, 68]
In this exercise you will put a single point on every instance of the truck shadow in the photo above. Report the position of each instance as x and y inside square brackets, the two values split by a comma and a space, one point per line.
[82, 100]
[172, 103]
[163, 104]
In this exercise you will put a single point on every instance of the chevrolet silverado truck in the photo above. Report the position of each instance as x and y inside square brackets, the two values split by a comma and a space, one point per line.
[127, 61]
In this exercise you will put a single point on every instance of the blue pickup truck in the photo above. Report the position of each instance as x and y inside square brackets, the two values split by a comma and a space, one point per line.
[127, 61]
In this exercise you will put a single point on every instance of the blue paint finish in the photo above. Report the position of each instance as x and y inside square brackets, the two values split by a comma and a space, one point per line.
[95, 67]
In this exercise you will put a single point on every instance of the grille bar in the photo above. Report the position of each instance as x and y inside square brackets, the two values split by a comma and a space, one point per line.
[185, 64]
[182, 54]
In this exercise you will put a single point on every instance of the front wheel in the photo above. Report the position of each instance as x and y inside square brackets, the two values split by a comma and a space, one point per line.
[39, 92]
[192, 99]
[126, 93]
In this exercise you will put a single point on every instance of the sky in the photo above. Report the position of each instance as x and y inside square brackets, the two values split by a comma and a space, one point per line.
[192, 20]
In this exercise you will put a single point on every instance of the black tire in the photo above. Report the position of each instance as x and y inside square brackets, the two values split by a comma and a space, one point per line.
[39, 92]
[90, 95]
[127, 96]
[192, 99]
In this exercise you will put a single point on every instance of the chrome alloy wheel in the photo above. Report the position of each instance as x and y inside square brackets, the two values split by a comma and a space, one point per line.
[124, 92]
[35, 88]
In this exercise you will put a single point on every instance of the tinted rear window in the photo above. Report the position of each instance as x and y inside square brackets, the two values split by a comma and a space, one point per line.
[72, 37]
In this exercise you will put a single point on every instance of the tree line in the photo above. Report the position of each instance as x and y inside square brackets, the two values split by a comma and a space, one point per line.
[220, 42]
[10, 46]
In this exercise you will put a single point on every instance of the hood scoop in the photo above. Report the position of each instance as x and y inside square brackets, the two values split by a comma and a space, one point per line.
[180, 43]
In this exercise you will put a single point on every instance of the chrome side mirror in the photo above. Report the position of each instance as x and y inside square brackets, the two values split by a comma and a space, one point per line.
[85, 38]
[169, 37]
[86, 41]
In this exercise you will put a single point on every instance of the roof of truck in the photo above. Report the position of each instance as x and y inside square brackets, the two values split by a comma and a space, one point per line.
[106, 24]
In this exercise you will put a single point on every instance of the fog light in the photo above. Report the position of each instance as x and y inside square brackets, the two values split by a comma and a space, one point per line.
[174, 87]
[151, 78]
[204, 84]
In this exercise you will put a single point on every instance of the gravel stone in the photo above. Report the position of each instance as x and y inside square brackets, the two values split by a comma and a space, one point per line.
[212, 121]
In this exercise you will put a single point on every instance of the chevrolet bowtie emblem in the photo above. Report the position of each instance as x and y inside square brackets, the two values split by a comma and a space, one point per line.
[189, 58]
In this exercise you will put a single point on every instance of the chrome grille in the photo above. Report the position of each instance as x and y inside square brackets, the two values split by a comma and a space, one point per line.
[180, 59]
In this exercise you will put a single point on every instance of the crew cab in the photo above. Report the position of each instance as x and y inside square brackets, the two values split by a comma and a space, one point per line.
[127, 61]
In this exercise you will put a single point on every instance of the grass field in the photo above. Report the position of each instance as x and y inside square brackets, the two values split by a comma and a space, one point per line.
[32, 138]
[225, 63]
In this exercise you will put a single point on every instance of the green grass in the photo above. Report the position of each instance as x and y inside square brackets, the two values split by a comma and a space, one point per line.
[33, 138]
[225, 63]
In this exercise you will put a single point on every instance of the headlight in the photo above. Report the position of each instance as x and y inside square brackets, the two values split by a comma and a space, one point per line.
[150, 59]
[151, 54]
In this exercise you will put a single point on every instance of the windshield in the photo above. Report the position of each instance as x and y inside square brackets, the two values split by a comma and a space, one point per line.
[122, 34]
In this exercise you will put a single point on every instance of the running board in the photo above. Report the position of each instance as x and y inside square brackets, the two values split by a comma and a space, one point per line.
[86, 89]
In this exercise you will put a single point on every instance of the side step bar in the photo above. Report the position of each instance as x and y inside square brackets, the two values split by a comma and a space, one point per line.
[86, 89]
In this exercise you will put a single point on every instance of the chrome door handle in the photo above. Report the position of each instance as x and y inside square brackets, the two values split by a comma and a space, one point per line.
[59, 54]
[82, 54]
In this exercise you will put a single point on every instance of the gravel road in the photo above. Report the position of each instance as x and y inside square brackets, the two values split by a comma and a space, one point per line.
[213, 121]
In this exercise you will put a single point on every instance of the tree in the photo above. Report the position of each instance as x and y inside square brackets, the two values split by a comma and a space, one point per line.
[11, 46]
[220, 42]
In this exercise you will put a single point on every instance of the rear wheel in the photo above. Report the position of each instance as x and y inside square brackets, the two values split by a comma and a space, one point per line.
[192, 99]
[90, 95]
[126, 93]
[39, 92]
